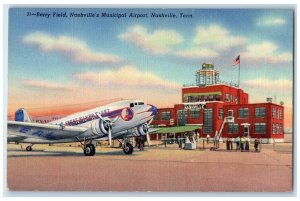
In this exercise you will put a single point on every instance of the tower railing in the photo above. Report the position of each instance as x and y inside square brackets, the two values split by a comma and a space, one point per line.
[232, 84]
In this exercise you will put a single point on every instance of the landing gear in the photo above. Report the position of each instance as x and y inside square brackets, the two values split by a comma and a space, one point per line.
[127, 148]
[89, 150]
[29, 148]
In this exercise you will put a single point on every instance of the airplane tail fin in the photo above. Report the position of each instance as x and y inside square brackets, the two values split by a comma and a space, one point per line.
[21, 115]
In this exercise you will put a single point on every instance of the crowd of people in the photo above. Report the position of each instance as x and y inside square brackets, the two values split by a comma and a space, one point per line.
[241, 144]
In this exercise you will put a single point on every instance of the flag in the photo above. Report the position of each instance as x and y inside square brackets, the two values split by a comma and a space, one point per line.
[236, 60]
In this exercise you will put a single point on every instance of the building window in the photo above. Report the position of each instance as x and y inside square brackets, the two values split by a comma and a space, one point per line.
[221, 113]
[227, 97]
[233, 128]
[244, 112]
[205, 98]
[277, 129]
[231, 98]
[195, 113]
[260, 128]
[156, 116]
[280, 113]
[260, 112]
[200, 98]
[166, 116]
[210, 97]
[280, 129]
[273, 112]
[208, 117]
[182, 117]
[218, 97]
[273, 129]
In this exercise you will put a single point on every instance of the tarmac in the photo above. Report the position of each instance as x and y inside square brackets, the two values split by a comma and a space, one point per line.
[156, 169]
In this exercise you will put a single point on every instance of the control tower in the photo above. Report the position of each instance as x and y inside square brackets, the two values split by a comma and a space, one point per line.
[207, 75]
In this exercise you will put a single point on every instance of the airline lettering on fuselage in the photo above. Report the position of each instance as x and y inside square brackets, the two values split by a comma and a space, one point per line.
[86, 118]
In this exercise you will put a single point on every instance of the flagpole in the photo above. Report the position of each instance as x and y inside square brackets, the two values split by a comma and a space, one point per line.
[239, 70]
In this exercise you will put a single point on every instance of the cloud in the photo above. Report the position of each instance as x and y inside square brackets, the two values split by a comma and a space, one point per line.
[266, 51]
[271, 22]
[45, 85]
[209, 42]
[73, 48]
[127, 76]
[279, 85]
[196, 53]
[216, 37]
[158, 42]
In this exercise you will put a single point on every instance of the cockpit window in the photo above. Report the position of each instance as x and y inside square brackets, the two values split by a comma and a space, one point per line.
[131, 105]
[140, 103]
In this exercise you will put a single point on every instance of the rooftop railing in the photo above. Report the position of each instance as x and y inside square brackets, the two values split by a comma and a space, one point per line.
[232, 84]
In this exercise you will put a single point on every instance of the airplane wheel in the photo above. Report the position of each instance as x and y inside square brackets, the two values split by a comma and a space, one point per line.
[88, 150]
[93, 149]
[28, 148]
[128, 149]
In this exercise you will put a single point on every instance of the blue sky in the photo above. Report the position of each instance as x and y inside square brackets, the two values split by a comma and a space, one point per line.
[62, 57]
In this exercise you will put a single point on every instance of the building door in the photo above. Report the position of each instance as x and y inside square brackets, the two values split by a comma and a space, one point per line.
[246, 131]
[230, 113]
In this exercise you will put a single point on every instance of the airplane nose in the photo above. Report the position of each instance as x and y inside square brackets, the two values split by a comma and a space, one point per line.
[154, 110]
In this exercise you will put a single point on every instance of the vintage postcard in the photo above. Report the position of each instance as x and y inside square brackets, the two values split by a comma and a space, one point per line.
[150, 99]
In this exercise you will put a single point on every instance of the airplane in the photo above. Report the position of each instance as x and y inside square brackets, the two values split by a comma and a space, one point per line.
[113, 121]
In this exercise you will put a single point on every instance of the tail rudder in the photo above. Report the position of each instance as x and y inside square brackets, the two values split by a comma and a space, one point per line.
[21, 115]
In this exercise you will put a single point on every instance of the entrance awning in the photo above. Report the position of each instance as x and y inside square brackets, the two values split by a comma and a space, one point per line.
[178, 129]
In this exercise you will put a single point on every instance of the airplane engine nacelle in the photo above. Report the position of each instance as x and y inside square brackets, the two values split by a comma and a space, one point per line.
[142, 129]
[100, 127]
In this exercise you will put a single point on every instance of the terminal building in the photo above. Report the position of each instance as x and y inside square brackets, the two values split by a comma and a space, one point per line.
[209, 104]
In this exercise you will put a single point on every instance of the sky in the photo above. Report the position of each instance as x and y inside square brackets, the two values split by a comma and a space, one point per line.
[56, 61]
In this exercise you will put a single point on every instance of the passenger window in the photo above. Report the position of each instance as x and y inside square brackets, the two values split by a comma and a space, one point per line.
[131, 105]
[135, 103]
[141, 103]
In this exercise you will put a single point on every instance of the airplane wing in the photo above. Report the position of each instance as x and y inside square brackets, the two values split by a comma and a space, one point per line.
[22, 130]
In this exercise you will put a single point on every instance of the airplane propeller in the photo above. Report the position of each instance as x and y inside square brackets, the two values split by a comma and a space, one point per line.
[147, 133]
[109, 124]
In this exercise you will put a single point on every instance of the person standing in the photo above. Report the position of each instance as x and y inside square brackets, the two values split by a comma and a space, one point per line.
[256, 143]
[141, 143]
[243, 140]
[216, 141]
[197, 137]
[227, 144]
[180, 142]
[231, 143]
[207, 138]
[237, 141]
[247, 143]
